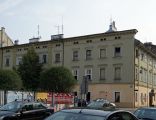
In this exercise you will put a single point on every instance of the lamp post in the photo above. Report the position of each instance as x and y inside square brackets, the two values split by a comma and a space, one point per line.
[84, 88]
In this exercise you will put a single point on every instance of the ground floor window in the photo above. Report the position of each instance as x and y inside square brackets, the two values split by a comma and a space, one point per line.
[117, 96]
[136, 97]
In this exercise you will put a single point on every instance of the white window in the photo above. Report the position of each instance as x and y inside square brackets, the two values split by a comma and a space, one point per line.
[102, 73]
[136, 73]
[117, 73]
[137, 53]
[7, 61]
[88, 54]
[44, 58]
[142, 56]
[18, 60]
[75, 55]
[102, 53]
[57, 57]
[88, 73]
[117, 52]
[75, 73]
[136, 97]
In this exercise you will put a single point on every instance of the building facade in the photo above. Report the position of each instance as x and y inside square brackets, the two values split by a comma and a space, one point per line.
[118, 67]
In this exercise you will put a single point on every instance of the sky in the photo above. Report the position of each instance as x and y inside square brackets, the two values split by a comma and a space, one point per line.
[21, 18]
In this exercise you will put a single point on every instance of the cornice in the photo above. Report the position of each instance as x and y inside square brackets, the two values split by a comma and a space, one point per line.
[91, 36]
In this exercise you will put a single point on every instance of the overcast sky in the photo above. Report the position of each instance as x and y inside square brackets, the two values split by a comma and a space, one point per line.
[79, 17]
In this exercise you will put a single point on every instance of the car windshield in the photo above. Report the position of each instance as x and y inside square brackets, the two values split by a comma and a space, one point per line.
[12, 106]
[146, 114]
[73, 116]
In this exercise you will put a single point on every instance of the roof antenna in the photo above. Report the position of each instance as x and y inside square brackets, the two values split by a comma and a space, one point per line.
[58, 29]
[110, 19]
[62, 24]
[38, 31]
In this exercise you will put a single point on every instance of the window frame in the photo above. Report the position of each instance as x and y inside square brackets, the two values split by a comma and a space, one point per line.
[75, 55]
[88, 54]
[57, 58]
[89, 74]
[117, 53]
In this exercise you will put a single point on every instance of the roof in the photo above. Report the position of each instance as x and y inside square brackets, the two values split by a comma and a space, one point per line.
[90, 36]
[88, 111]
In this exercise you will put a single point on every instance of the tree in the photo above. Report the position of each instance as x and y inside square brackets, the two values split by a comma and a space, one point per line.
[10, 80]
[57, 79]
[30, 69]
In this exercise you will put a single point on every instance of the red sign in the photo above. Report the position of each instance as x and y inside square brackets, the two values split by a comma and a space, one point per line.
[60, 98]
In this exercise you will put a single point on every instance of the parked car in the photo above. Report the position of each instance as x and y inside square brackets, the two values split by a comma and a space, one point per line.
[102, 104]
[24, 110]
[146, 113]
[91, 114]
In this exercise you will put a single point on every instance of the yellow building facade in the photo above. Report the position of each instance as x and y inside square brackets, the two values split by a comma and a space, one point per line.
[118, 67]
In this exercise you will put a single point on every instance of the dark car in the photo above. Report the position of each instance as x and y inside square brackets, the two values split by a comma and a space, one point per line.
[24, 110]
[146, 113]
[101, 104]
[91, 114]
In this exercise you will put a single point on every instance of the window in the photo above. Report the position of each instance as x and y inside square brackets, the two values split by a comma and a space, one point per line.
[18, 60]
[75, 55]
[102, 73]
[137, 53]
[57, 57]
[38, 106]
[142, 99]
[7, 62]
[136, 73]
[136, 97]
[88, 54]
[142, 56]
[117, 52]
[88, 73]
[117, 96]
[44, 58]
[75, 74]
[102, 53]
[76, 42]
[117, 74]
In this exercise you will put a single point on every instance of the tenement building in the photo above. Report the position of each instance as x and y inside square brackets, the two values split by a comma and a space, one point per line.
[116, 65]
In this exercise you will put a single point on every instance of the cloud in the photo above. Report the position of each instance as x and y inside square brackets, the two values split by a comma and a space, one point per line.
[8, 4]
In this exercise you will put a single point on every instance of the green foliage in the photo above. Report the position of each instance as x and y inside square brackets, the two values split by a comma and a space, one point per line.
[10, 80]
[30, 69]
[57, 79]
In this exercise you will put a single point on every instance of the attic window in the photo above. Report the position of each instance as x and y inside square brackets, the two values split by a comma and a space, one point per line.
[19, 49]
[44, 46]
[57, 45]
[89, 41]
[76, 42]
[25, 48]
[102, 39]
[7, 51]
[117, 37]
[37, 47]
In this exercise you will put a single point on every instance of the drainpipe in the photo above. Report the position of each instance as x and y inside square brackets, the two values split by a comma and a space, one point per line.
[63, 52]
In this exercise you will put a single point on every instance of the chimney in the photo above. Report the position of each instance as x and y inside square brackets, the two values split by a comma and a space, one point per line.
[16, 42]
[3, 29]
[34, 39]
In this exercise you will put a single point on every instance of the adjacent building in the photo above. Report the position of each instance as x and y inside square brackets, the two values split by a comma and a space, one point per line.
[117, 66]
[5, 40]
